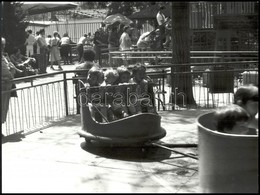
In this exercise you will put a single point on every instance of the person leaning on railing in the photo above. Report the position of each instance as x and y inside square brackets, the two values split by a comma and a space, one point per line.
[8, 71]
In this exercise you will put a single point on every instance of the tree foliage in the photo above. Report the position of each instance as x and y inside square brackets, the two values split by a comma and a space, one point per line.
[13, 25]
[124, 7]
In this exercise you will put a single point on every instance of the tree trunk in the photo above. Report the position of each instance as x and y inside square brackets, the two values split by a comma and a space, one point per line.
[181, 83]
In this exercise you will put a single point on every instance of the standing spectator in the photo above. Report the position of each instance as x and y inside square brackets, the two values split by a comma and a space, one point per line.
[125, 44]
[98, 45]
[160, 17]
[48, 42]
[168, 34]
[125, 40]
[89, 40]
[29, 43]
[80, 46]
[135, 33]
[42, 51]
[113, 39]
[102, 43]
[65, 48]
[54, 51]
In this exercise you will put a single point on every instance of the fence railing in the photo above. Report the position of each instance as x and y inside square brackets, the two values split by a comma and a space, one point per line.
[43, 99]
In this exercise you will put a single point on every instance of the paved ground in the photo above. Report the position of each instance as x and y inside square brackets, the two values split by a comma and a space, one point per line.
[56, 159]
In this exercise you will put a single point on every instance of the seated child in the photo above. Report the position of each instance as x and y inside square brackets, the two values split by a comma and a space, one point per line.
[144, 103]
[232, 119]
[94, 79]
[124, 108]
[89, 57]
[247, 97]
[110, 79]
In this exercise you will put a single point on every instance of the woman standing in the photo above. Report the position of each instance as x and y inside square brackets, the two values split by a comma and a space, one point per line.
[54, 50]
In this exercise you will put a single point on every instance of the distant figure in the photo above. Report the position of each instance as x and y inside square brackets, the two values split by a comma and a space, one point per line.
[42, 50]
[30, 40]
[135, 33]
[145, 40]
[113, 39]
[160, 17]
[54, 50]
[65, 48]
[80, 46]
[125, 40]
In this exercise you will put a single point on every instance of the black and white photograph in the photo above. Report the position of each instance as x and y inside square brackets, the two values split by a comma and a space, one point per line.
[129, 96]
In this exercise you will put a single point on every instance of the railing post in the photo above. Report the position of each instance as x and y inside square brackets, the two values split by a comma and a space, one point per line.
[65, 93]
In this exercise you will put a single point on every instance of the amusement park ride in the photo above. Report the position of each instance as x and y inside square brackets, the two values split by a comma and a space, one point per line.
[138, 130]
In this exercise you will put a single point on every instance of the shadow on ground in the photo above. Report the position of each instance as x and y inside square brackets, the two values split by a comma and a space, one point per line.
[126, 153]
[17, 137]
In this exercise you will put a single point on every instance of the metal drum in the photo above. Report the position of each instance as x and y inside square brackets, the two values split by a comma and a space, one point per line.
[228, 163]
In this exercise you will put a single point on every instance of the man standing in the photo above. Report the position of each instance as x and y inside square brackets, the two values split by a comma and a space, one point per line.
[160, 17]
[125, 44]
[42, 51]
[29, 43]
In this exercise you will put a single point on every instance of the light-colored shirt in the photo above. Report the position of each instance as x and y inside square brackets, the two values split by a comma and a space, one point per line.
[143, 41]
[65, 40]
[160, 18]
[30, 40]
[54, 41]
[125, 42]
[41, 43]
[82, 40]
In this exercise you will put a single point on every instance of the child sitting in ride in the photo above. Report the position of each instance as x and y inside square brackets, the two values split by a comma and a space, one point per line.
[110, 80]
[247, 97]
[94, 79]
[124, 108]
[232, 119]
[144, 101]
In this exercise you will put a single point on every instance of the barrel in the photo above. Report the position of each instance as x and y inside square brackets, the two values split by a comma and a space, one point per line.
[228, 163]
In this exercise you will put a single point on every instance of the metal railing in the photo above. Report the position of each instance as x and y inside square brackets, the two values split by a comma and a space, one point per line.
[43, 99]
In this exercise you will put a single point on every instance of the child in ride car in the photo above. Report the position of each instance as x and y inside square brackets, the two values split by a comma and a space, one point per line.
[94, 79]
[232, 119]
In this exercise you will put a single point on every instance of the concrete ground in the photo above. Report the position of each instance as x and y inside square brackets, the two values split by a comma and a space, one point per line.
[56, 160]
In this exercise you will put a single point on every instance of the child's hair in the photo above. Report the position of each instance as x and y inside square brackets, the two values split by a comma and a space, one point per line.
[123, 70]
[89, 55]
[111, 73]
[246, 93]
[137, 68]
[227, 117]
[96, 71]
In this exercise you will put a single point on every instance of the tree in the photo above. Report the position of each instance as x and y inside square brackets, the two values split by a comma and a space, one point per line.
[13, 26]
[181, 51]
[127, 7]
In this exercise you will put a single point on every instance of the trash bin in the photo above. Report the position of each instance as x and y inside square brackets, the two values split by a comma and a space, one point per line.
[228, 163]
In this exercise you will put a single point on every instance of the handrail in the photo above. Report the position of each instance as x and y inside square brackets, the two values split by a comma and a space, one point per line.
[192, 52]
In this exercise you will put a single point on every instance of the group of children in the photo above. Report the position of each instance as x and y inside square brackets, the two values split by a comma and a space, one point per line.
[117, 93]
[242, 116]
